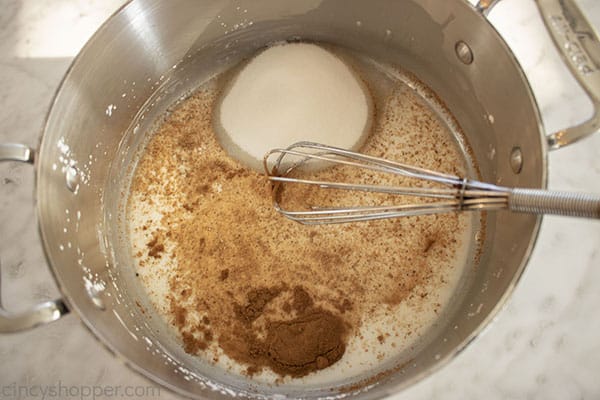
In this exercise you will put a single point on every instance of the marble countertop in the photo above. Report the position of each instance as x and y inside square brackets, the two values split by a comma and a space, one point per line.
[545, 344]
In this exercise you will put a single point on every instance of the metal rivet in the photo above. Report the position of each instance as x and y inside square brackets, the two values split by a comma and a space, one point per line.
[463, 52]
[72, 178]
[516, 159]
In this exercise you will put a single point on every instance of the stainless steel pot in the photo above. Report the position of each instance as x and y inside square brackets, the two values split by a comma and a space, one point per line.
[151, 52]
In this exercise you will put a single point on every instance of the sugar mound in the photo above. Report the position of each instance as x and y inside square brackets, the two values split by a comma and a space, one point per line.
[289, 93]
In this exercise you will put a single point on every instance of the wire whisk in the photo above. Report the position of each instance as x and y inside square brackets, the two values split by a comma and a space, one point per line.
[454, 194]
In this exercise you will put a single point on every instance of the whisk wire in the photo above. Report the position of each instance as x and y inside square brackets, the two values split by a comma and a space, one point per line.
[458, 195]
[337, 155]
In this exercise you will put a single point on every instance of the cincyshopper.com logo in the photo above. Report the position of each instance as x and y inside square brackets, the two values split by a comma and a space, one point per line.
[81, 392]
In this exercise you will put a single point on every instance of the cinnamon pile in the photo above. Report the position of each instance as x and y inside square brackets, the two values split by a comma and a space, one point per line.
[312, 339]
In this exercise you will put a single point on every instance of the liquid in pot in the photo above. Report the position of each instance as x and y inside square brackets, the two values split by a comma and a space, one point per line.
[257, 294]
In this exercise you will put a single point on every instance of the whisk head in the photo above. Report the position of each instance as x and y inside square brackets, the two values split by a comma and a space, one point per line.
[312, 165]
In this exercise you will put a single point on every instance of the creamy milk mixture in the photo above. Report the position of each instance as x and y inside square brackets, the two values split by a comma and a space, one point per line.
[239, 283]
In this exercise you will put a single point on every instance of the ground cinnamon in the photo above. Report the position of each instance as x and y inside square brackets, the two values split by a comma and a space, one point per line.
[155, 248]
[310, 342]
[255, 304]
[313, 339]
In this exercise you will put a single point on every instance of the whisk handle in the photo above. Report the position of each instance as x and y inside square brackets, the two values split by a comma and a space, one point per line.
[570, 204]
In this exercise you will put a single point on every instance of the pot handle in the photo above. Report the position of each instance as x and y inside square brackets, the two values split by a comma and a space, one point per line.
[579, 46]
[45, 312]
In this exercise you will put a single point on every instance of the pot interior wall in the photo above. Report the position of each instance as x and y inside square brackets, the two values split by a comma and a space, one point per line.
[151, 53]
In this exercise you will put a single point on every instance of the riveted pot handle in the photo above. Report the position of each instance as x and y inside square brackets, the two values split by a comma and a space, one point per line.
[42, 313]
[579, 46]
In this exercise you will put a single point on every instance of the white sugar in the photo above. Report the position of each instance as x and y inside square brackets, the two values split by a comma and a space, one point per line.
[290, 93]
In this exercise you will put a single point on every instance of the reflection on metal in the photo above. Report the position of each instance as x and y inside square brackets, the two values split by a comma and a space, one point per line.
[41, 314]
[94, 291]
[72, 179]
[516, 160]
[16, 152]
[485, 6]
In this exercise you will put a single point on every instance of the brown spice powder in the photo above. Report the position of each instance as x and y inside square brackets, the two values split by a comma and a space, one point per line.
[268, 292]
[155, 248]
[312, 340]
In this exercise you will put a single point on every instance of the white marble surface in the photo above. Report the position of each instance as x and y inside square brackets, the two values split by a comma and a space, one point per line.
[544, 345]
